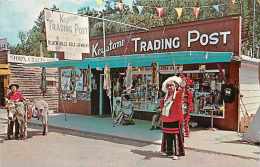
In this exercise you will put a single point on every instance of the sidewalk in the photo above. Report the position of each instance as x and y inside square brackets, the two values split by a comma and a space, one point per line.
[222, 142]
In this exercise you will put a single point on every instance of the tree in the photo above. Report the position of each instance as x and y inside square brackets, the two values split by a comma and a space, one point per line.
[33, 42]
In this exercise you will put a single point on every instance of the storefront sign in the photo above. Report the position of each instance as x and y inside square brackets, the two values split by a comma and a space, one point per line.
[67, 33]
[209, 35]
[28, 59]
[3, 44]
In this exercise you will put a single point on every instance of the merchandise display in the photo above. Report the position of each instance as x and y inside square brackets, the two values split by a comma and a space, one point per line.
[208, 94]
[73, 86]
[206, 87]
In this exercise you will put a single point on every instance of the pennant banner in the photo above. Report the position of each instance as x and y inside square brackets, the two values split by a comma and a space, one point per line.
[120, 6]
[179, 12]
[140, 9]
[216, 7]
[135, 2]
[99, 2]
[160, 11]
[196, 11]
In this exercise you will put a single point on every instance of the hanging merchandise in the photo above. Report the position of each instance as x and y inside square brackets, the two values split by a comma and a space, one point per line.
[228, 93]
[155, 74]
[72, 86]
[128, 79]
[88, 80]
[43, 86]
[107, 81]
[117, 88]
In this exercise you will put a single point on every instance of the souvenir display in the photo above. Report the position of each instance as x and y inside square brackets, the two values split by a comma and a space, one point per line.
[73, 86]
[207, 95]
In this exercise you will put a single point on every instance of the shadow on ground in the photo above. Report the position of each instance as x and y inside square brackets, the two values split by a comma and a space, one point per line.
[240, 142]
[148, 154]
[95, 136]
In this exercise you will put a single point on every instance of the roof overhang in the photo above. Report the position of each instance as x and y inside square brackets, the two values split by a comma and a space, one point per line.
[141, 60]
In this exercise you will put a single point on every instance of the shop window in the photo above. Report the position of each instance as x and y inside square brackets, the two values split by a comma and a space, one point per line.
[207, 90]
[72, 85]
[208, 94]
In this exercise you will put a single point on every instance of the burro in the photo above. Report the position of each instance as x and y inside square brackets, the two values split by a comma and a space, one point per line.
[204, 39]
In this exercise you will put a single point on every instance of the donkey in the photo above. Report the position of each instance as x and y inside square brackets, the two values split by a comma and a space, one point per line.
[39, 109]
[17, 114]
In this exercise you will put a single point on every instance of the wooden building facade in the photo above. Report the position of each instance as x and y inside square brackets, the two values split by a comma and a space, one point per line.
[28, 78]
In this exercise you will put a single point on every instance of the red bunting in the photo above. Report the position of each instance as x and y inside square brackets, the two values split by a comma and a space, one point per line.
[160, 11]
[196, 11]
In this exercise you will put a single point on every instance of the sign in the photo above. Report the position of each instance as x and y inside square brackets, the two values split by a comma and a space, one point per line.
[3, 44]
[68, 33]
[28, 59]
[218, 35]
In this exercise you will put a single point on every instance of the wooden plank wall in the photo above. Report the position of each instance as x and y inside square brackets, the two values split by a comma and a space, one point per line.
[3, 57]
[29, 79]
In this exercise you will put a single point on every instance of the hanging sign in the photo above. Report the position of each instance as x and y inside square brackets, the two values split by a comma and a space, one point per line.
[68, 33]
[28, 59]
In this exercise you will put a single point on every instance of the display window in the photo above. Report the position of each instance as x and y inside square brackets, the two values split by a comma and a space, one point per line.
[207, 89]
[207, 93]
[72, 85]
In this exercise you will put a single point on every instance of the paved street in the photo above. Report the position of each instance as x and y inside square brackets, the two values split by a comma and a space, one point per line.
[60, 149]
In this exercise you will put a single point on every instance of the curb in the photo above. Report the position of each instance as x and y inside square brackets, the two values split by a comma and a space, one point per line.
[112, 138]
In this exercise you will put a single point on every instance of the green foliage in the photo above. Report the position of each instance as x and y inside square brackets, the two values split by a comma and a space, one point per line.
[32, 42]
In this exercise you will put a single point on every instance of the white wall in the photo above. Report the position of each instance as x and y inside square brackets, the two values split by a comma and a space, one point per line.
[249, 86]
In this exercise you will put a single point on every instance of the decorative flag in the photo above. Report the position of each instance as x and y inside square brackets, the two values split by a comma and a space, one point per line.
[120, 6]
[160, 11]
[216, 7]
[179, 12]
[99, 2]
[196, 11]
[140, 9]
[233, 1]
[134, 2]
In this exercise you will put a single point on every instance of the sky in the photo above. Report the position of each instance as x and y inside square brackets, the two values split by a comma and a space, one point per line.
[19, 15]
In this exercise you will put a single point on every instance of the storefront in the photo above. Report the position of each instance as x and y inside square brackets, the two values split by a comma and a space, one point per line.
[213, 75]
[208, 52]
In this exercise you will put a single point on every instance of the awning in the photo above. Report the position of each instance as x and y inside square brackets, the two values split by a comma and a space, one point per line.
[141, 60]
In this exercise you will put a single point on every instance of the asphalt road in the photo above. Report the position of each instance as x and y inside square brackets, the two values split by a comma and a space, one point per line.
[60, 149]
